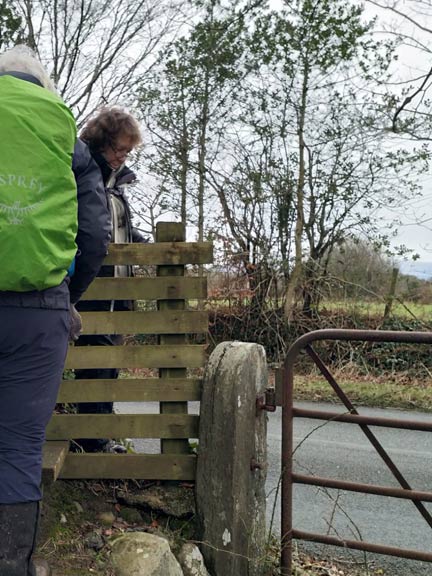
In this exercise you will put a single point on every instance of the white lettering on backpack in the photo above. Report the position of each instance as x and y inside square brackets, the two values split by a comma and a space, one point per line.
[20, 181]
[16, 213]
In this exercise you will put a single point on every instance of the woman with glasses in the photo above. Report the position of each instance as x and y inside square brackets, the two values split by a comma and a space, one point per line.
[111, 136]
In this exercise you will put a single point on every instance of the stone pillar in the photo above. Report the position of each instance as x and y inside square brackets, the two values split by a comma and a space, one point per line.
[232, 461]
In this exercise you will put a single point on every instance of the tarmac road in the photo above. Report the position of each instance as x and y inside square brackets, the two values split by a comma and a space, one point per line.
[338, 450]
[342, 451]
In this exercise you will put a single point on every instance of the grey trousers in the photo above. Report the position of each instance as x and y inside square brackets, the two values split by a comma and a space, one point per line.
[33, 346]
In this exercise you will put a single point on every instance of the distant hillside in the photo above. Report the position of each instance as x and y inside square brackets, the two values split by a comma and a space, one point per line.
[422, 270]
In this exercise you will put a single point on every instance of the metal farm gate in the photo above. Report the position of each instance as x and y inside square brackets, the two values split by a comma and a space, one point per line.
[350, 415]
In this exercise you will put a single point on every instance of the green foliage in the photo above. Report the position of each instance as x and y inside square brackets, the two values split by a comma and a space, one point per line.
[392, 357]
[321, 34]
[270, 329]
[10, 25]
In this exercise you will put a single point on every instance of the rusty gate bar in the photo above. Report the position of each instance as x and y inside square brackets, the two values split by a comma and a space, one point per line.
[288, 413]
[364, 488]
[365, 546]
[359, 419]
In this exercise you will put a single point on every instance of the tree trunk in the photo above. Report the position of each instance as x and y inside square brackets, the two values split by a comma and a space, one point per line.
[184, 163]
[296, 275]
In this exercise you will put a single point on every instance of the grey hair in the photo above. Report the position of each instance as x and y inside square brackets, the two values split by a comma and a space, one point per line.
[23, 59]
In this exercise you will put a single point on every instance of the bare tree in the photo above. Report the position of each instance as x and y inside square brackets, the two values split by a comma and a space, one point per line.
[95, 49]
[149, 201]
[410, 24]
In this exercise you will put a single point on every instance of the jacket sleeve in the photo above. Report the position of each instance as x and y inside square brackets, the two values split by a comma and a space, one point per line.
[94, 222]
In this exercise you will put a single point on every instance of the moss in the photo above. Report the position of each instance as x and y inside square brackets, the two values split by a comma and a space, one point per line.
[131, 515]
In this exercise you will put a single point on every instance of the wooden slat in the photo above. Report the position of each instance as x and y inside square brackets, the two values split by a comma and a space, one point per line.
[131, 390]
[147, 356]
[53, 457]
[146, 288]
[154, 322]
[65, 426]
[162, 253]
[119, 466]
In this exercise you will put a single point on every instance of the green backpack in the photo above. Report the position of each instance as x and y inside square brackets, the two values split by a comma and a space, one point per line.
[38, 195]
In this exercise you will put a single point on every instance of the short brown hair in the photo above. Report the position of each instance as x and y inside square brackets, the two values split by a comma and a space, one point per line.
[104, 129]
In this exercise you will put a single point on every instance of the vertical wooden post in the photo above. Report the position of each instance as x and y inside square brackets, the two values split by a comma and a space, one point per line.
[391, 294]
[172, 232]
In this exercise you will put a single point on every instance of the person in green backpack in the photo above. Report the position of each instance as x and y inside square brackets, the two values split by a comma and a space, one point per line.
[54, 219]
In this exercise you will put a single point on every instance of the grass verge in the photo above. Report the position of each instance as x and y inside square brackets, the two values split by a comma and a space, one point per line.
[380, 392]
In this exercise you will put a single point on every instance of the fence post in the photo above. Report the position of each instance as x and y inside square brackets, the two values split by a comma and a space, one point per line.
[391, 294]
[232, 461]
[172, 232]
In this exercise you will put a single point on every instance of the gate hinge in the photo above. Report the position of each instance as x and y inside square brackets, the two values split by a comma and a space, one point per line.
[267, 401]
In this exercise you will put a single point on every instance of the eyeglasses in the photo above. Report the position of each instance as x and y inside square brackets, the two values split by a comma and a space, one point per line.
[121, 152]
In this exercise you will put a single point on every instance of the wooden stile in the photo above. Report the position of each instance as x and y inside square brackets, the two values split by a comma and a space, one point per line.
[54, 455]
[172, 356]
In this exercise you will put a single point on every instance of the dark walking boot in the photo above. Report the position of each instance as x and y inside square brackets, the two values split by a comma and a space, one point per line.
[18, 525]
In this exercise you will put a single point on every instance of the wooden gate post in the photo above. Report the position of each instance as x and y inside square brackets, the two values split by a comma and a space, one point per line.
[172, 232]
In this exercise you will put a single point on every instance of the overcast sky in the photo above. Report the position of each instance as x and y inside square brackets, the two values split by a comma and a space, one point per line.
[416, 231]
